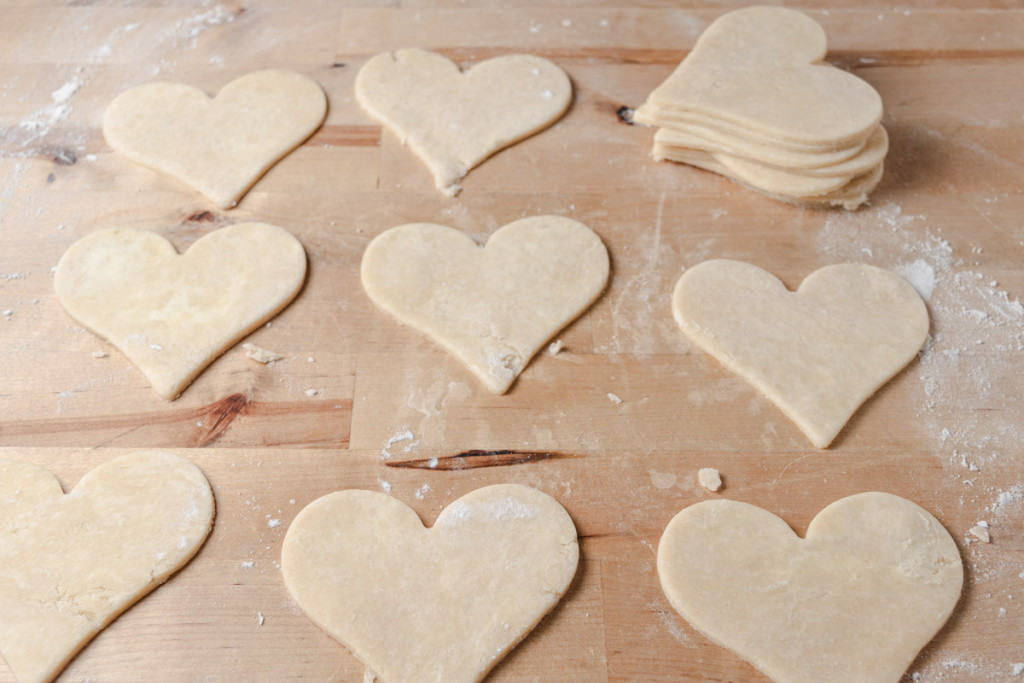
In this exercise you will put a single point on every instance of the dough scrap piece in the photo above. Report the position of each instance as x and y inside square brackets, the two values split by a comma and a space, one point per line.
[220, 146]
[817, 353]
[872, 582]
[173, 314]
[444, 603]
[492, 307]
[762, 69]
[454, 120]
[709, 478]
[70, 564]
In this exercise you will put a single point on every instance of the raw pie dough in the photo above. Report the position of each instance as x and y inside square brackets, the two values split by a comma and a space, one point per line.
[817, 353]
[454, 120]
[70, 564]
[755, 101]
[440, 604]
[173, 314]
[492, 307]
[855, 600]
[219, 146]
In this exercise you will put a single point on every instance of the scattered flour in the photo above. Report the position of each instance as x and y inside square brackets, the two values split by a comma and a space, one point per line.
[662, 480]
[920, 275]
[961, 385]
[504, 510]
[404, 434]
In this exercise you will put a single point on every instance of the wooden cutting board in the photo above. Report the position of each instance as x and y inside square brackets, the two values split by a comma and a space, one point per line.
[945, 433]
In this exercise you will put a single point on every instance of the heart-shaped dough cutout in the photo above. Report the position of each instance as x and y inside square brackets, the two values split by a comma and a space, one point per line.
[444, 603]
[70, 564]
[219, 146]
[454, 120]
[855, 600]
[817, 353]
[761, 68]
[173, 314]
[492, 307]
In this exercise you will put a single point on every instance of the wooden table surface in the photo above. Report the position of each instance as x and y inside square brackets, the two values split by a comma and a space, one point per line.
[945, 433]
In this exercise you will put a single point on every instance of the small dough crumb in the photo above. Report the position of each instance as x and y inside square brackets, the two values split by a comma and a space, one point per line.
[312, 392]
[260, 619]
[100, 354]
[1018, 668]
[709, 478]
[273, 523]
[614, 398]
[555, 347]
[259, 354]
[980, 533]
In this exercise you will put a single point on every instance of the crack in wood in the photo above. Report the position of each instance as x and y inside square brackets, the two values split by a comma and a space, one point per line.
[225, 410]
[473, 459]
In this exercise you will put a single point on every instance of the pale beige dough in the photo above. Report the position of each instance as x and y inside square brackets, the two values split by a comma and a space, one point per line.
[70, 564]
[870, 156]
[849, 196]
[172, 314]
[454, 120]
[219, 146]
[441, 604]
[492, 307]
[761, 68]
[655, 115]
[817, 353]
[755, 102]
[706, 138]
[855, 600]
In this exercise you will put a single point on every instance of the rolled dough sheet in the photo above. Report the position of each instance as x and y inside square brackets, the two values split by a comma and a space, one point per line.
[872, 582]
[172, 314]
[219, 146]
[70, 564]
[870, 156]
[817, 353]
[454, 120]
[849, 196]
[493, 307]
[705, 137]
[440, 604]
[653, 115]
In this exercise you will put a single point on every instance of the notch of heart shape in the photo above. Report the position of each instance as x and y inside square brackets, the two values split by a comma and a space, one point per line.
[454, 120]
[444, 603]
[219, 146]
[72, 563]
[873, 580]
[172, 314]
[493, 307]
[817, 353]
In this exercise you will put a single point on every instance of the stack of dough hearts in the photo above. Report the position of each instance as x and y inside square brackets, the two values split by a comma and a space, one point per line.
[754, 102]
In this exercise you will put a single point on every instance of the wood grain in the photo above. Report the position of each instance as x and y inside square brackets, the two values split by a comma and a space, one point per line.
[945, 433]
